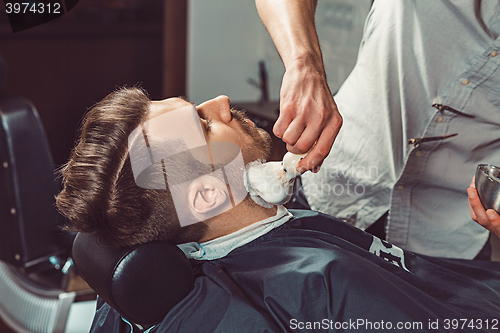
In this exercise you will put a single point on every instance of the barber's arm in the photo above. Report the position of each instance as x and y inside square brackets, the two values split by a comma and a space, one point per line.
[486, 218]
[308, 113]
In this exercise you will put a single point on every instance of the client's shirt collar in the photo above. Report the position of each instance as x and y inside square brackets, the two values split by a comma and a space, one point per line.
[220, 247]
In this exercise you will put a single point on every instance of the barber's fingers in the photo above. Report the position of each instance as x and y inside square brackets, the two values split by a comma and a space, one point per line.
[478, 213]
[299, 125]
[489, 219]
[285, 118]
[295, 131]
[471, 196]
[320, 151]
[471, 193]
[494, 218]
[473, 182]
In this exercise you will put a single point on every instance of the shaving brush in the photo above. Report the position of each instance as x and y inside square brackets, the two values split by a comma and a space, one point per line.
[271, 183]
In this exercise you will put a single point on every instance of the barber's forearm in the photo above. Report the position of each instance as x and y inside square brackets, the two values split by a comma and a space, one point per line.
[292, 28]
[308, 113]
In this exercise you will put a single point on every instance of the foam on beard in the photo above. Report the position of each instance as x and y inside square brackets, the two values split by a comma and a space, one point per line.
[271, 183]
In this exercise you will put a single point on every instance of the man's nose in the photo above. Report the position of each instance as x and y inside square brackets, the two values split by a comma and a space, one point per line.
[218, 107]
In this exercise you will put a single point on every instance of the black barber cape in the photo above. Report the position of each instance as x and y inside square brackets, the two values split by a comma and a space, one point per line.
[317, 274]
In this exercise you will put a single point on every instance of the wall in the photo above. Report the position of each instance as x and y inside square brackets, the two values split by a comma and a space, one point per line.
[226, 40]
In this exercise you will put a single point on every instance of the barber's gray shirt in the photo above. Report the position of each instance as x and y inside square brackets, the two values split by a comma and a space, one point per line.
[414, 54]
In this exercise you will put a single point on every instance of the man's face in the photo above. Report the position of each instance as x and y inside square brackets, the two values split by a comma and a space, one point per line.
[220, 123]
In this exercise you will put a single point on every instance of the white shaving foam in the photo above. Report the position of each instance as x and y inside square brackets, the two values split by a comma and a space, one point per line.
[268, 183]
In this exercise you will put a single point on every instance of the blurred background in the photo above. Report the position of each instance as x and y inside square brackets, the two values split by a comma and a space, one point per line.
[199, 49]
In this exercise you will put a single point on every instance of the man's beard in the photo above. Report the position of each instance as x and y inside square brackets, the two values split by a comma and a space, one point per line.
[261, 147]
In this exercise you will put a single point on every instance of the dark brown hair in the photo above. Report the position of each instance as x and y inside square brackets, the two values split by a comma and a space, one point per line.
[100, 194]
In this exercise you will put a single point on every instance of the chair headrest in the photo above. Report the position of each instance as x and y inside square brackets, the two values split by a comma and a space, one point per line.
[141, 282]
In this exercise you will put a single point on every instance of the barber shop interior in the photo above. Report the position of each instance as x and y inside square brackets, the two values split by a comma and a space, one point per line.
[249, 166]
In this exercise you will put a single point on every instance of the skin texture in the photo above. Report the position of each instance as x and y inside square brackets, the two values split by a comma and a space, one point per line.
[221, 124]
[309, 119]
[489, 219]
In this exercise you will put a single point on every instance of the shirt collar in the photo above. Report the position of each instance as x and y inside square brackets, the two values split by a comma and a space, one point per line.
[219, 247]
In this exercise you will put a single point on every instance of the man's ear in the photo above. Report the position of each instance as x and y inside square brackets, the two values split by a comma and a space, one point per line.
[206, 194]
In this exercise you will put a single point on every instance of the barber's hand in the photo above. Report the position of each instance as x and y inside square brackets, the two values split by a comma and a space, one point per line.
[308, 115]
[489, 219]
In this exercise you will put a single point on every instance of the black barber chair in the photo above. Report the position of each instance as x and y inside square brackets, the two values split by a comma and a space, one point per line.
[141, 282]
[33, 251]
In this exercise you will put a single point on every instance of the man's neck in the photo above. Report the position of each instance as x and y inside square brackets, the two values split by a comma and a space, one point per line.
[241, 216]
